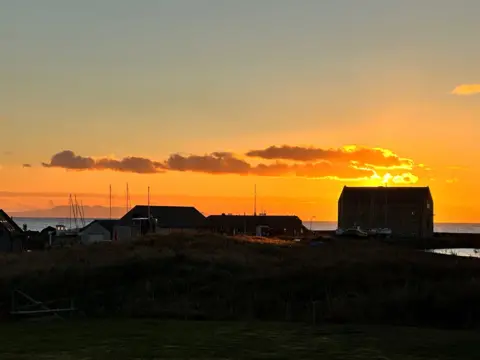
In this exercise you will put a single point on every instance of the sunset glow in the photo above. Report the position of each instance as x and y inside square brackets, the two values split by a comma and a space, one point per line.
[299, 100]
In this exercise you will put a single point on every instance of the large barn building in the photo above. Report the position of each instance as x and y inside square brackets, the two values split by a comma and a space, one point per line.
[406, 211]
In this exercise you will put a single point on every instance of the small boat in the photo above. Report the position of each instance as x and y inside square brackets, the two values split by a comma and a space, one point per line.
[355, 231]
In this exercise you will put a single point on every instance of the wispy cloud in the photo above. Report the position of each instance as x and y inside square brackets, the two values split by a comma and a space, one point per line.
[466, 89]
[27, 165]
[350, 163]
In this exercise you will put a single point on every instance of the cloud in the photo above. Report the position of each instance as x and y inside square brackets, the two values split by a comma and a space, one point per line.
[227, 163]
[347, 164]
[466, 89]
[361, 156]
[27, 165]
[215, 163]
[8, 153]
[400, 179]
[69, 160]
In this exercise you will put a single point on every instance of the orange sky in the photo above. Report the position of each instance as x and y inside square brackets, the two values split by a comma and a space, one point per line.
[211, 98]
[293, 180]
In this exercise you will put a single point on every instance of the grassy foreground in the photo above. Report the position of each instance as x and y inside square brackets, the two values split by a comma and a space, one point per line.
[217, 278]
[148, 339]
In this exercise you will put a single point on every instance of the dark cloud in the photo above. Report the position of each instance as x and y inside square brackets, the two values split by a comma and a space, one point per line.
[227, 163]
[69, 160]
[130, 164]
[215, 163]
[349, 163]
[375, 157]
[27, 165]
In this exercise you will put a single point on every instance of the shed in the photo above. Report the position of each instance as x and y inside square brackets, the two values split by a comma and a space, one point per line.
[406, 211]
[98, 231]
[165, 219]
[278, 225]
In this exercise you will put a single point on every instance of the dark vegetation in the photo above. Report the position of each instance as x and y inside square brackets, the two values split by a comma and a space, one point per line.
[211, 277]
[151, 339]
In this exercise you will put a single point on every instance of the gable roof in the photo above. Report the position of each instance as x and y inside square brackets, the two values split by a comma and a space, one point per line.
[178, 217]
[8, 224]
[107, 224]
[240, 221]
[394, 193]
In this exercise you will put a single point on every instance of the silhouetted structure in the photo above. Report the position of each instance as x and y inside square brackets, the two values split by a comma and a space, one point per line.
[276, 225]
[98, 231]
[407, 211]
[163, 219]
[11, 235]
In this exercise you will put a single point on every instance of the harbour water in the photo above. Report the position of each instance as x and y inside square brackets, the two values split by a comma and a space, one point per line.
[37, 224]
[459, 252]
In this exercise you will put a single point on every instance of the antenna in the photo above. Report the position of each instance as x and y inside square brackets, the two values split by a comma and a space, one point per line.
[255, 201]
[110, 188]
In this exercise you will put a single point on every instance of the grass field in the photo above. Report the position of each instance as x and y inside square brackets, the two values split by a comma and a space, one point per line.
[213, 277]
[148, 339]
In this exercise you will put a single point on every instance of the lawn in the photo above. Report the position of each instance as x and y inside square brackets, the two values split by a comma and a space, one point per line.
[150, 339]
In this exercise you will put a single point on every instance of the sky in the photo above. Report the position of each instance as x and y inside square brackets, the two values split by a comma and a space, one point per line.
[201, 100]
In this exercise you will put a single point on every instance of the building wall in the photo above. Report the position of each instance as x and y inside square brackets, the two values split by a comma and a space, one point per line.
[9, 244]
[5, 241]
[123, 233]
[404, 219]
[95, 233]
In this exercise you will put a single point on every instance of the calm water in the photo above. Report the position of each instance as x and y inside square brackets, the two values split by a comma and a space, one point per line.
[38, 224]
[442, 227]
[458, 252]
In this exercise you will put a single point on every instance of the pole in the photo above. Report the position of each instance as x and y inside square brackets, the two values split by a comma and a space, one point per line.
[255, 200]
[110, 200]
[149, 202]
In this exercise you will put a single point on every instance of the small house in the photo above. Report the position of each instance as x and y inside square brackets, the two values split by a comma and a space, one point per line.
[98, 231]
[11, 235]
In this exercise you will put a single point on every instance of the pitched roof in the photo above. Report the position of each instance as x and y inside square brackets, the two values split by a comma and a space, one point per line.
[107, 224]
[8, 224]
[395, 193]
[168, 216]
[239, 221]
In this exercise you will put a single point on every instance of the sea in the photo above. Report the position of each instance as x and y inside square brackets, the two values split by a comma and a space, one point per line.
[37, 224]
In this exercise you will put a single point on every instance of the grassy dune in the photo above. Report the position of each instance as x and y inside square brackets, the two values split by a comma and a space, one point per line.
[212, 277]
